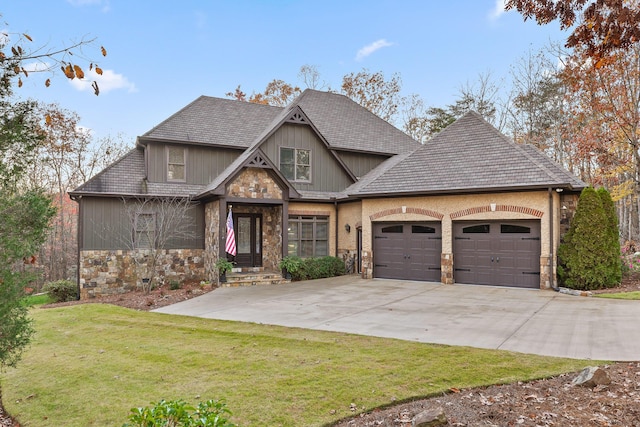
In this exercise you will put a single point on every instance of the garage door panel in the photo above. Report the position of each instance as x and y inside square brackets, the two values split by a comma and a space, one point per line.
[504, 253]
[408, 251]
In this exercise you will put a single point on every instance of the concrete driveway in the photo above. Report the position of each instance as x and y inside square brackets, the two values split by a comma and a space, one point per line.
[527, 321]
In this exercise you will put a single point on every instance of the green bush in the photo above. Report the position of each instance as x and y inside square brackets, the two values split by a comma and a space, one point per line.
[588, 256]
[177, 413]
[174, 285]
[320, 267]
[61, 290]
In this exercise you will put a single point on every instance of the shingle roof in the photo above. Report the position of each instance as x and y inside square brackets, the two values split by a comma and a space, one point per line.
[216, 121]
[469, 155]
[125, 177]
[346, 125]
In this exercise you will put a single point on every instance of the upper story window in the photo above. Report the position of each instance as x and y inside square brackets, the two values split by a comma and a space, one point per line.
[295, 164]
[176, 164]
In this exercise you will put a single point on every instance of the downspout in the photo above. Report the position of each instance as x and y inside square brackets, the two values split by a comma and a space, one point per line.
[79, 227]
[335, 204]
[551, 253]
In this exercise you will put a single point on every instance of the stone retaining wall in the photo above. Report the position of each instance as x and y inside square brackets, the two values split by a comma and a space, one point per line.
[114, 272]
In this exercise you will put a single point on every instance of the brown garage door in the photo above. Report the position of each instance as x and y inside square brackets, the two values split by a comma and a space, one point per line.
[505, 253]
[408, 251]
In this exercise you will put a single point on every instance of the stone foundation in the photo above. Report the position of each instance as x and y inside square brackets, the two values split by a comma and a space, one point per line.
[114, 272]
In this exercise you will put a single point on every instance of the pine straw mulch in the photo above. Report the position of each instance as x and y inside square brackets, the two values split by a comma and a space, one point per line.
[546, 402]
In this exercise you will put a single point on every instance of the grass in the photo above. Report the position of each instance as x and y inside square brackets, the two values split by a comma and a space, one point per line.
[635, 295]
[90, 364]
[40, 299]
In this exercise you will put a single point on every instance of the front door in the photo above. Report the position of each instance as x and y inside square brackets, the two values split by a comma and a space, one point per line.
[248, 229]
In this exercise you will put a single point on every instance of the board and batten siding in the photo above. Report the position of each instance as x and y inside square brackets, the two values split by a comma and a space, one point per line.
[106, 226]
[326, 173]
[203, 164]
[361, 163]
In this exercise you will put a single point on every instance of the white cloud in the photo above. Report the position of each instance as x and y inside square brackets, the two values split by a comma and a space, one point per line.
[498, 10]
[104, 4]
[107, 82]
[369, 49]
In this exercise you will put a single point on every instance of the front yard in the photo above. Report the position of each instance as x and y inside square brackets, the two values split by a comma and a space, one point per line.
[90, 364]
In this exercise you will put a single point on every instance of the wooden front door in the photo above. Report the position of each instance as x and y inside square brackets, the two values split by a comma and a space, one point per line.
[248, 230]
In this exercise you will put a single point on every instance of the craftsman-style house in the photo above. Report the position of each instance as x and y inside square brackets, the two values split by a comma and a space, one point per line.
[324, 176]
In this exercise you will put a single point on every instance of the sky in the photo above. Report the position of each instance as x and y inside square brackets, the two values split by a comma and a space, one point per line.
[162, 55]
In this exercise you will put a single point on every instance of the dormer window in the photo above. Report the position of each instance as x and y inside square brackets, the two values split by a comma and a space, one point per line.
[295, 164]
[176, 164]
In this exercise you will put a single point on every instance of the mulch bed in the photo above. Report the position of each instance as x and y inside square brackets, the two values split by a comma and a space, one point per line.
[546, 402]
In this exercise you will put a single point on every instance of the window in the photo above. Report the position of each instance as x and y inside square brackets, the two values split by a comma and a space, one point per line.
[392, 229]
[176, 164]
[295, 164]
[145, 230]
[308, 236]
[510, 228]
[475, 229]
[422, 229]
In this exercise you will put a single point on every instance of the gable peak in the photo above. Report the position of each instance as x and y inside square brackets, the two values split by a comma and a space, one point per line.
[297, 116]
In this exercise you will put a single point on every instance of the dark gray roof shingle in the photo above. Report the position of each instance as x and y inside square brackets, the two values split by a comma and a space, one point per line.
[468, 155]
[125, 177]
[346, 125]
[216, 121]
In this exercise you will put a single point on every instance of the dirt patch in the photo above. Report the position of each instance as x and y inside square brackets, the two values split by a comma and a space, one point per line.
[139, 300]
[548, 402]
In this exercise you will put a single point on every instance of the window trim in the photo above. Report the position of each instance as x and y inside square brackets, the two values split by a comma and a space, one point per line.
[298, 220]
[295, 163]
[183, 164]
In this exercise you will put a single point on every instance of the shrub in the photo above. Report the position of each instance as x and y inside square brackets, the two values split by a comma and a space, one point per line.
[61, 290]
[174, 285]
[317, 268]
[588, 257]
[177, 413]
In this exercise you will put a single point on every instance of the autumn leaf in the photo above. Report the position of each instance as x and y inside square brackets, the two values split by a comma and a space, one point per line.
[19, 82]
[79, 72]
[68, 71]
[26, 36]
[47, 83]
[26, 74]
[96, 89]
[98, 70]
[103, 50]
[47, 119]
[14, 51]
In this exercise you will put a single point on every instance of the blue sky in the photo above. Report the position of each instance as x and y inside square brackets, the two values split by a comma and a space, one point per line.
[164, 54]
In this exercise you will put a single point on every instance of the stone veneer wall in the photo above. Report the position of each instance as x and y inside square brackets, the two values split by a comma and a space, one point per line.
[211, 239]
[113, 272]
[254, 183]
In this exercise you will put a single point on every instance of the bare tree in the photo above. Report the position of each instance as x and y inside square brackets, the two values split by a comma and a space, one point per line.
[373, 92]
[310, 75]
[156, 223]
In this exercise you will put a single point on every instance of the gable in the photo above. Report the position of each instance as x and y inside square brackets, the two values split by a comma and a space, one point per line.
[326, 172]
[254, 183]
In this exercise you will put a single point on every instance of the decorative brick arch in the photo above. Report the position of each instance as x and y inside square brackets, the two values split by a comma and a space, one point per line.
[499, 208]
[406, 210]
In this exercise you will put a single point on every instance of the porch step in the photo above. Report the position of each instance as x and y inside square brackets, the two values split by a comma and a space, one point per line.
[236, 279]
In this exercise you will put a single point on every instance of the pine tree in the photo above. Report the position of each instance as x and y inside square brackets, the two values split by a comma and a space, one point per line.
[585, 256]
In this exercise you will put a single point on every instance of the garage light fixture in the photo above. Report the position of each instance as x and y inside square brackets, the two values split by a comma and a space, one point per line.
[347, 227]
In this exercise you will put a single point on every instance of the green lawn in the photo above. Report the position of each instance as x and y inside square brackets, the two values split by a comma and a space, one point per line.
[621, 295]
[89, 364]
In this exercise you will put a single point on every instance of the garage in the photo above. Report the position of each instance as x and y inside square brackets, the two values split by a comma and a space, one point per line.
[407, 251]
[501, 253]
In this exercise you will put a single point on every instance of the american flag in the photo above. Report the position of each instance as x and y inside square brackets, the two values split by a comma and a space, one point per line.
[231, 237]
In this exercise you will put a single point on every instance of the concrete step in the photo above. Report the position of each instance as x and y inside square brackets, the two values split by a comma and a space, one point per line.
[236, 279]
